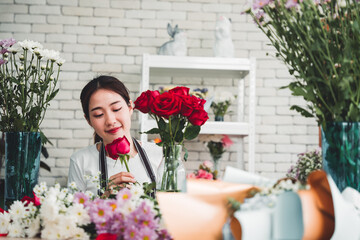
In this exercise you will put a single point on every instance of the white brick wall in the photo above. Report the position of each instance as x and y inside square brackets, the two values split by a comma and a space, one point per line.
[110, 36]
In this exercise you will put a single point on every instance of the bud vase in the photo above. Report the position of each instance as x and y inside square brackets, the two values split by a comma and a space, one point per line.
[340, 144]
[216, 160]
[172, 171]
[22, 163]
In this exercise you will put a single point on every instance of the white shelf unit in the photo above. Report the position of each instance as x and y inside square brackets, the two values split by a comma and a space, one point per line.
[214, 67]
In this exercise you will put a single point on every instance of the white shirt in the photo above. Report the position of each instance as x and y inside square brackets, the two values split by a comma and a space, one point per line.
[86, 162]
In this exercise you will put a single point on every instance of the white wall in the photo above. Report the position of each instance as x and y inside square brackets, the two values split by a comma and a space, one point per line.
[110, 36]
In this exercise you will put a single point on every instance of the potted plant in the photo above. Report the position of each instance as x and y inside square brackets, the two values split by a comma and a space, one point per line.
[319, 42]
[28, 78]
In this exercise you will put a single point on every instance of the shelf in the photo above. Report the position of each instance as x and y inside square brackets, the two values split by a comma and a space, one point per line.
[229, 128]
[211, 67]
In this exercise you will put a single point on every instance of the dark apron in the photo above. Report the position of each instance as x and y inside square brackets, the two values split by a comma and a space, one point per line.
[142, 154]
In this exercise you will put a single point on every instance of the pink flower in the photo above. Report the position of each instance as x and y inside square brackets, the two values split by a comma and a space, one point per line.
[227, 142]
[208, 164]
[81, 198]
[291, 3]
[131, 232]
[146, 233]
[124, 195]
[191, 175]
[7, 42]
[204, 174]
[2, 61]
[260, 3]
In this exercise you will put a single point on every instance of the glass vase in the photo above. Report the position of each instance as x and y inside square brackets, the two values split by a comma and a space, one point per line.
[216, 160]
[341, 153]
[22, 162]
[172, 171]
[219, 118]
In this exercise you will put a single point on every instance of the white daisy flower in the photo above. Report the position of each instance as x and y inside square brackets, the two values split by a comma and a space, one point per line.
[137, 191]
[81, 215]
[89, 194]
[80, 233]
[73, 185]
[34, 227]
[4, 222]
[15, 230]
[17, 210]
[60, 61]
[29, 44]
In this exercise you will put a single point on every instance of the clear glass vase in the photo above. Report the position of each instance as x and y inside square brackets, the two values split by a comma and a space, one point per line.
[22, 163]
[216, 160]
[341, 153]
[171, 173]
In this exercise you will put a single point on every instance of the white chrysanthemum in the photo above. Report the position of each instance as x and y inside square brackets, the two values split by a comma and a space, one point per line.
[149, 203]
[66, 226]
[50, 54]
[17, 210]
[51, 232]
[87, 177]
[73, 185]
[80, 233]
[29, 44]
[69, 198]
[49, 210]
[61, 195]
[34, 227]
[89, 194]
[57, 186]
[60, 61]
[136, 191]
[16, 230]
[4, 222]
[14, 48]
[128, 207]
[79, 212]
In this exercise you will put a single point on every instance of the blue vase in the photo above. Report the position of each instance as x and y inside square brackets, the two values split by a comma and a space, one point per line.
[219, 118]
[341, 153]
[22, 162]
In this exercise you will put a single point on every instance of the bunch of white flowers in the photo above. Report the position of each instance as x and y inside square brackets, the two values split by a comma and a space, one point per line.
[56, 216]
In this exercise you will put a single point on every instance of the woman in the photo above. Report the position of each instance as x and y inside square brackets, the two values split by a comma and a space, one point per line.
[107, 108]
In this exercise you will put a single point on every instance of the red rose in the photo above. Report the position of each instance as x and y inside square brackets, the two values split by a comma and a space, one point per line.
[198, 117]
[106, 236]
[166, 104]
[180, 91]
[189, 104]
[145, 100]
[118, 146]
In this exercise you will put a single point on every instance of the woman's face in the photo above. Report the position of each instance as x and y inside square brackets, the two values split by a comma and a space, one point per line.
[109, 115]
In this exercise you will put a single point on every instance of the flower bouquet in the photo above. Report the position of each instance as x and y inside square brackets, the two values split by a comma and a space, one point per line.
[179, 116]
[216, 145]
[28, 78]
[204, 172]
[307, 163]
[221, 103]
[56, 213]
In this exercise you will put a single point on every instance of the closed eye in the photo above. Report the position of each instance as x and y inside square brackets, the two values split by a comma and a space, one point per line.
[116, 110]
[98, 115]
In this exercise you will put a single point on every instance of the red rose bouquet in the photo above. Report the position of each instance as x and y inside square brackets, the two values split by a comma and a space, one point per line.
[179, 116]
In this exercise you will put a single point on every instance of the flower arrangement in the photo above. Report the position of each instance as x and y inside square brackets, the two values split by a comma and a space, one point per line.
[307, 162]
[56, 213]
[318, 41]
[216, 145]
[179, 116]
[199, 92]
[28, 78]
[221, 103]
[204, 172]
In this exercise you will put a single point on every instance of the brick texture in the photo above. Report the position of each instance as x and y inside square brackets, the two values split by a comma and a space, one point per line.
[109, 37]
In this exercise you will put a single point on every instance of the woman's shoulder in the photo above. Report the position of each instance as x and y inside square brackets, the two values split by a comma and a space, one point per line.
[84, 153]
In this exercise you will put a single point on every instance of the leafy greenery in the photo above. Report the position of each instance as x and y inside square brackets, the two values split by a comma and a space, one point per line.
[319, 41]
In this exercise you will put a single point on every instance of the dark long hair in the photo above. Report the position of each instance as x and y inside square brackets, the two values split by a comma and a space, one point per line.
[102, 82]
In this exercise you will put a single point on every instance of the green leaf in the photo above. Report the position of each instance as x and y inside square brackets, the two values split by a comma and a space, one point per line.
[301, 110]
[153, 131]
[52, 95]
[191, 132]
[186, 154]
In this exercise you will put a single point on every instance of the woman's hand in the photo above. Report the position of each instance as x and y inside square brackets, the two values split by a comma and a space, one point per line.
[121, 177]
